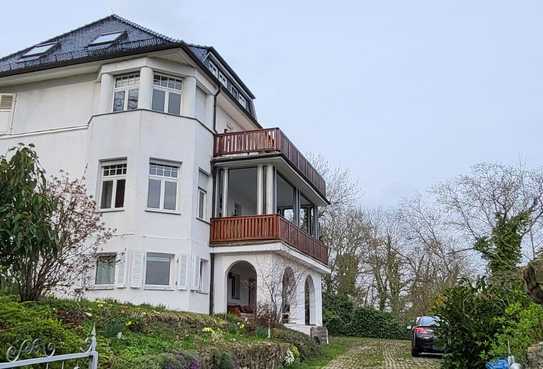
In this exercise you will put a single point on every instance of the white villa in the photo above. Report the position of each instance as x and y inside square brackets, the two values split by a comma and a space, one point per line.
[210, 208]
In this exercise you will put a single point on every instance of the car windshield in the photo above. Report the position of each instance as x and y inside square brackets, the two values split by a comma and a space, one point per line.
[428, 321]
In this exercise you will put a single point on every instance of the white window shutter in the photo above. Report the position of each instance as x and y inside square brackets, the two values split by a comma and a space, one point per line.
[195, 272]
[136, 269]
[205, 276]
[182, 272]
[7, 103]
[121, 269]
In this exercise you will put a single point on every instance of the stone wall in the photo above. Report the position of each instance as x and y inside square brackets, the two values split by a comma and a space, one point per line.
[535, 357]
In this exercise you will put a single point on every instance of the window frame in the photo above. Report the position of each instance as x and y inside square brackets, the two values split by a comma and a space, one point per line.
[242, 100]
[126, 89]
[202, 207]
[203, 271]
[167, 91]
[105, 285]
[213, 68]
[95, 43]
[115, 178]
[171, 277]
[163, 180]
[223, 79]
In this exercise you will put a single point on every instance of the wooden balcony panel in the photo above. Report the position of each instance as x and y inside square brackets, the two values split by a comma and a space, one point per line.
[266, 228]
[267, 141]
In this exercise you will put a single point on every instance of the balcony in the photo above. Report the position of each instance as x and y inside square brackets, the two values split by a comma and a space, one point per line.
[266, 141]
[273, 227]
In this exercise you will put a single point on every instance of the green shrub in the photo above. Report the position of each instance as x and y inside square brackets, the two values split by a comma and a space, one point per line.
[306, 346]
[177, 360]
[469, 315]
[342, 318]
[523, 328]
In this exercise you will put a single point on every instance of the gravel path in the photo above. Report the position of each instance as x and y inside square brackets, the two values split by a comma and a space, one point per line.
[382, 354]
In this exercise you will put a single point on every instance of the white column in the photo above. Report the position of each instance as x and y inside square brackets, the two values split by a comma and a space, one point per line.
[106, 94]
[145, 97]
[269, 190]
[188, 97]
[259, 190]
[225, 192]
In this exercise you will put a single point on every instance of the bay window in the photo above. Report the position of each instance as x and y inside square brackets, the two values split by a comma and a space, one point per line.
[113, 185]
[162, 188]
[126, 91]
[167, 94]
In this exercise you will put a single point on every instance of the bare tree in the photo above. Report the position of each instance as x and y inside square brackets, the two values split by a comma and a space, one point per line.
[281, 280]
[474, 200]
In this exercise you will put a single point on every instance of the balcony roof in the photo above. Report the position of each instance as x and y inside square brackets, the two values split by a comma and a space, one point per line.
[267, 142]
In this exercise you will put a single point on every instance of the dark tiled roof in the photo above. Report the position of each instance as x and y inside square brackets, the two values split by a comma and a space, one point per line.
[72, 46]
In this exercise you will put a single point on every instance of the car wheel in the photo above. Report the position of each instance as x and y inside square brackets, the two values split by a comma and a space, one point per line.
[415, 353]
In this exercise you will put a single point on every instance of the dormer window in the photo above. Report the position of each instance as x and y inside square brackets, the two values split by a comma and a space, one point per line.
[213, 68]
[234, 92]
[242, 101]
[106, 38]
[223, 80]
[38, 51]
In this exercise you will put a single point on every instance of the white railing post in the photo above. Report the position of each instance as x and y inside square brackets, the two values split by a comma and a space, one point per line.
[16, 356]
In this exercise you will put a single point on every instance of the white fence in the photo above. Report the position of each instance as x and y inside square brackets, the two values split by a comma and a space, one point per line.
[18, 357]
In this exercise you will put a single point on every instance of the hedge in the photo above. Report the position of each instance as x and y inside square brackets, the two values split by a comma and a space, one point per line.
[343, 318]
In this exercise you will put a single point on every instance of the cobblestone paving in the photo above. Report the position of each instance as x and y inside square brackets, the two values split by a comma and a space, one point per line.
[382, 354]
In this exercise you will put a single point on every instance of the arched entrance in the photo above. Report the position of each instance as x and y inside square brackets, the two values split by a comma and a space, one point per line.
[287, 295]
[309, 297]
[241, 289]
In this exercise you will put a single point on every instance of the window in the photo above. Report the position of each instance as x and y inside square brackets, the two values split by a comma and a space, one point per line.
[242, 101]
[38, 51]
[113, 185]
[162, 190]
[234, 92]
[105, 269]
[203, 280]
[157, 269]
[167, 94]
[125, 94]
[234, 280]
[237, 210]
[203, 183]
[106, 38]
[202, 199]
[213, 68]
[223, 80]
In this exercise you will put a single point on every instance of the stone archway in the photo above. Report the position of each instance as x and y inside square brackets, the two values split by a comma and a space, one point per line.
[309, 301]
[241, 289]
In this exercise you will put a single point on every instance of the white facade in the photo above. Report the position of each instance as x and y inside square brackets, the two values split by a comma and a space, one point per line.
[161, 245]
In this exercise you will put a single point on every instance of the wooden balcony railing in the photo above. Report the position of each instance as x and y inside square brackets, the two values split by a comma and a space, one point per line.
[266, 228]
[268, 141]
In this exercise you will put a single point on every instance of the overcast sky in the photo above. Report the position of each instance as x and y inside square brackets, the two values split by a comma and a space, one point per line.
[403, 93]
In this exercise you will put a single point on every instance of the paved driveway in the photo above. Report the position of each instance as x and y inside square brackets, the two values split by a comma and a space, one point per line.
[382, 354]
